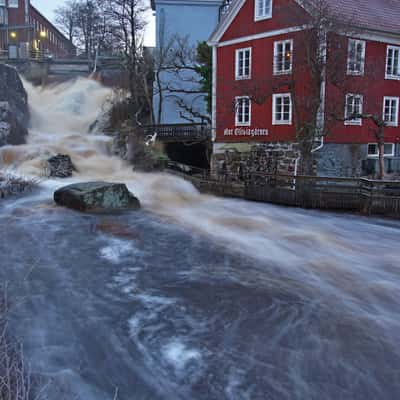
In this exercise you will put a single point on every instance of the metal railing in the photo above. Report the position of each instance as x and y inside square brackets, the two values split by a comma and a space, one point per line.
[180, 132]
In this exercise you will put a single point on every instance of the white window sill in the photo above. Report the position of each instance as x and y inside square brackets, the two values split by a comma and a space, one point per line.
[392, 77]
[355, 73]
[282, 123]
[353, 123]
[377, 156]
[281, 73]
[238, 124]
[396, 125]
[256, 19]
[242, 78]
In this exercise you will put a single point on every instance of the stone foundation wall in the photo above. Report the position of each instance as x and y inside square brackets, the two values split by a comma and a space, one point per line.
[271, 158]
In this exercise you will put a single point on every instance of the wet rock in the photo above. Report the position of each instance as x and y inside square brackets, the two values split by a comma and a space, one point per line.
[60, 166]
[14, 112]
[96, 196]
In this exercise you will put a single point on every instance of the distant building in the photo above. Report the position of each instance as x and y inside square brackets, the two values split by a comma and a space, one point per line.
[191, 19]
[26, 33]
[259, 42]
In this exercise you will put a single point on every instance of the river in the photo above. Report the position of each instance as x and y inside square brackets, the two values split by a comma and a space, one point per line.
[193, 297]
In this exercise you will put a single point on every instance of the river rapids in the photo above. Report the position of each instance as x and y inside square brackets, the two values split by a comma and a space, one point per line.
[194, 297]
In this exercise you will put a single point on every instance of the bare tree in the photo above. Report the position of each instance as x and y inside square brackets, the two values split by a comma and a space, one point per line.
[66, 18]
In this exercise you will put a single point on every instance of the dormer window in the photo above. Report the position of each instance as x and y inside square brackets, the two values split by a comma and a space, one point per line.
[263, 9]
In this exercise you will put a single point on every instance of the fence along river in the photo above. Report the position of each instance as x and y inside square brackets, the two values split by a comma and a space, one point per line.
[194, 297]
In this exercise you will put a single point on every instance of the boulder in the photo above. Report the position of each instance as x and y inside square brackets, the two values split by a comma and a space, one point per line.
[96, 196]
[60, 166]
[14, 111]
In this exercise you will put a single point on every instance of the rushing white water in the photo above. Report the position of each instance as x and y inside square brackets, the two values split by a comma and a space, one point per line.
[324, 278]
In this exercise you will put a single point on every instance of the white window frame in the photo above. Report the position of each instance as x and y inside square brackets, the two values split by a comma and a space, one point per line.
[2, 3]
[387, 75]
[239, 77]
[287, 71]
[274, 101]
[13, 3]
[356, 121]
[349, 61]
[257, 16]
[237, 122]
[396, 99]
[391, 154]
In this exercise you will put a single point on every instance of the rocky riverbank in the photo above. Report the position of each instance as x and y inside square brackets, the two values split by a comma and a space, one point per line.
[14, 111]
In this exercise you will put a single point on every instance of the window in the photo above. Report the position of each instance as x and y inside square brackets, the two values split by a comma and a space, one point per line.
[243, 63]
[3, 16]
[373, 150]
[356, 57]
[2, 3]
[283, 57]
[282, 109]
[263, 9]
[391, 111]
[393, 62]
[13, 3]
[242, 111]
[354, 105]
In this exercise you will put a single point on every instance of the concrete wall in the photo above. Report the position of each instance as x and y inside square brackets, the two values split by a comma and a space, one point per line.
[351, 160]
[196, 20]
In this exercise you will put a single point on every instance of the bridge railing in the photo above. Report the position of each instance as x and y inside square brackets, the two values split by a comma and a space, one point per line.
[180, 132]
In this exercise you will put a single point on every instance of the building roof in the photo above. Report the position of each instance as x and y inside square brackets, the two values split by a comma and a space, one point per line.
[372, 15]
[376, 15]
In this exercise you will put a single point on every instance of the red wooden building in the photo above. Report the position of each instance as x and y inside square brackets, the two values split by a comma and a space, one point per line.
[25, 32]
[259, 45]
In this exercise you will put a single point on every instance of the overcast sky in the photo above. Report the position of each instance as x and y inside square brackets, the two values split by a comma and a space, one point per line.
[47, 7]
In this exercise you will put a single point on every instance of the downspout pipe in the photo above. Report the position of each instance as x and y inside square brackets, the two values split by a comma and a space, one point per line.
[296, 162]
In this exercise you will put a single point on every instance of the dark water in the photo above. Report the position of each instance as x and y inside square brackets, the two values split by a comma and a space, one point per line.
[137, 304]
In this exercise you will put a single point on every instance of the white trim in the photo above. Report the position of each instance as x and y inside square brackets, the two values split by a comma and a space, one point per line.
[262, 35]
[390, 76]
[321, 110]
[243, 77]
[262, 17]
[275, 64]
[356, 121]
[284, 122]
[226, 22]
[378, 37]
[214, 94]
[389, 98]
[364, 45]
[375, 155]
[237, 122]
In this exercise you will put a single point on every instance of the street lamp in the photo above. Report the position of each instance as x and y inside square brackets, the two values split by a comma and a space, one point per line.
[43, 34]
[13, 35]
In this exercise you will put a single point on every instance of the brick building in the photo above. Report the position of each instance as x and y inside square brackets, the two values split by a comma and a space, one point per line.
[25, 32]
[259, 44]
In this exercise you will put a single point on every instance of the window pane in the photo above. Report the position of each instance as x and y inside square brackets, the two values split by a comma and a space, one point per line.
[388, 148]
[372, 149]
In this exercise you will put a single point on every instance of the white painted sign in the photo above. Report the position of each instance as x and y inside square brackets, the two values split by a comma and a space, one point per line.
[252, 132]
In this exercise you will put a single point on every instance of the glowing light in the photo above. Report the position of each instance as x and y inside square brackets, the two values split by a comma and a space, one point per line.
[13, 35]
[43, 34]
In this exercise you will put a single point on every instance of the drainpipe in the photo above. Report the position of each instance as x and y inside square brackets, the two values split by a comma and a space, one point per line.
[296, 162]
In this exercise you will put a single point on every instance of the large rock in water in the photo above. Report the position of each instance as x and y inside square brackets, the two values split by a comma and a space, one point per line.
[96, 196]
[60, 166]
[14, 111]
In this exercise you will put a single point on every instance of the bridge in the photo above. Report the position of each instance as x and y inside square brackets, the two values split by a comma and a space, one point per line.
[38, 67]
[183, 133]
